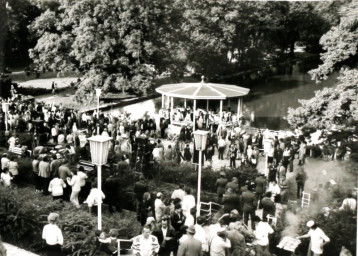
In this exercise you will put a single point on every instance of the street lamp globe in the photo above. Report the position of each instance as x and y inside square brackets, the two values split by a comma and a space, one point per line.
[99, 146]
[200, 138]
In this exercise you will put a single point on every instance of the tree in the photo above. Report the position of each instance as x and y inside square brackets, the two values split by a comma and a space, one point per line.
[334, 107]
[110, 42]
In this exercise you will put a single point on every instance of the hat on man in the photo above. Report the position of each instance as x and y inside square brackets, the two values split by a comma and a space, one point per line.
[310, 223]
[159, 194]
[222, 174]
[191, 229]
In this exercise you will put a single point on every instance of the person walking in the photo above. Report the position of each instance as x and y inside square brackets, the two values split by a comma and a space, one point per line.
[56, 187]
[190, 246]
[52, 234]
[166, 236]
[75, 183]
[318, 238]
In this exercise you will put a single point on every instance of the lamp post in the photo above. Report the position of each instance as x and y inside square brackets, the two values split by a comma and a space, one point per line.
[98, 94]
[5, 109]
[267, 148]
[200, 144]
[99, 146]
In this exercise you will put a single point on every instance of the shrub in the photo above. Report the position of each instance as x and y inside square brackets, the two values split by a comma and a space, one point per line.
[24, 213]
[186, 174]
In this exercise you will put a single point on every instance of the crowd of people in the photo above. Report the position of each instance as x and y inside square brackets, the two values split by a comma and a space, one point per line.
[170, 225]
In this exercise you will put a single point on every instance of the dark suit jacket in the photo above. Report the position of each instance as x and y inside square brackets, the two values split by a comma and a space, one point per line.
[169, 245]
[260, 185]
[248, 201]
[177, 220]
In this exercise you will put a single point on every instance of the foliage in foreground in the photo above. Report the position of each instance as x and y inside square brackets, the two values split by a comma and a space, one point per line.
[24, 213]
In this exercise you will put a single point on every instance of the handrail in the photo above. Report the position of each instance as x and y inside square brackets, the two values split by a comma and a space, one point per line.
[119, 244]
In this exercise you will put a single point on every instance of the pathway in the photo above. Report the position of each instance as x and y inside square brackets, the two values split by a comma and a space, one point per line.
[16, 251]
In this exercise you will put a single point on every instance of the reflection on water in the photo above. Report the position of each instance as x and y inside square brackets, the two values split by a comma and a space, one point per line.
[268, 100]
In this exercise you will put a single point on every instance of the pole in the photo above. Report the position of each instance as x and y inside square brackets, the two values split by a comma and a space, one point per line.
[162, 100]
[221, 111]
[185, 103]
[194, 118]
[207, 105]
[266, 166]
[99, 206]
[98, 107]
[6, 121]
[199, 185]
[171, 109]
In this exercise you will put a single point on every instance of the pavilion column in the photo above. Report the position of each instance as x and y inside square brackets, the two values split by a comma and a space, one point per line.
[168, 102]
[229, 105]
[163, 100]
[171, 108]
[221, 110]
[185, 103]
[194, 110]
[239, 107]
[207, 105]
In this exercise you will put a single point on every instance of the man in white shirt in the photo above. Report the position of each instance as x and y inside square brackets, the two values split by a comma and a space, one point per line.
[275, 190]
[53, 236]
[219, 243]
[188, 202]
[74, 182]
[159, 207]
[350, 202]
[318, 238]
[4, 161]
[179, 193]
[262, 231]
[56, 187]
[200, 234]
[95, 196]
[5, 177]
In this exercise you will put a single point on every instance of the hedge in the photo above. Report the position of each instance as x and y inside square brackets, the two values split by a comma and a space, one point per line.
[23, 213]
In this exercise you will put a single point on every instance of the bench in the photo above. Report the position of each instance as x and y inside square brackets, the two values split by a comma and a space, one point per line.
[17, 151]
[88, 166]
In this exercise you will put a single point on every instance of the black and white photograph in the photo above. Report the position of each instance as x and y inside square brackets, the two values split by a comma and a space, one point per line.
[178, 127]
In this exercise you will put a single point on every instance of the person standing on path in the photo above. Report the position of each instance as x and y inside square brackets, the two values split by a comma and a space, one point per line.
[221, 185]
[145, 244]
[190, 246]
[249, 207]
[301, 178]
[75, 183]
[262, 232]
[53, 236]
[318, 238]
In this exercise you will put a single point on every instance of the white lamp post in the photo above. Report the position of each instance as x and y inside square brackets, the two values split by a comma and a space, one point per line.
[98, 95]
[5, 109]
[200, 144]
[99, 146]
[267, 148]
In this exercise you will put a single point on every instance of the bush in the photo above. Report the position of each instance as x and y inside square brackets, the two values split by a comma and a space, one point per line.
[186, 174]
[24, 213]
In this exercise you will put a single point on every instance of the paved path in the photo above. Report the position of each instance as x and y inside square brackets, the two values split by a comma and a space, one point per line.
[15, 251]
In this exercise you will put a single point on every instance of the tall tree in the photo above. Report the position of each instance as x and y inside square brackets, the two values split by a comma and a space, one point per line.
[334, 107]
[110, 42]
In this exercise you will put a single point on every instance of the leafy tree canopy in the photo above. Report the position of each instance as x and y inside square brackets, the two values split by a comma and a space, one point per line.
[110, 42]
[334, 107]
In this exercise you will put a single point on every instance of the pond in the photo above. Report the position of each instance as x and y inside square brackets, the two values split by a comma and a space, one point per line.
[268, 100]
